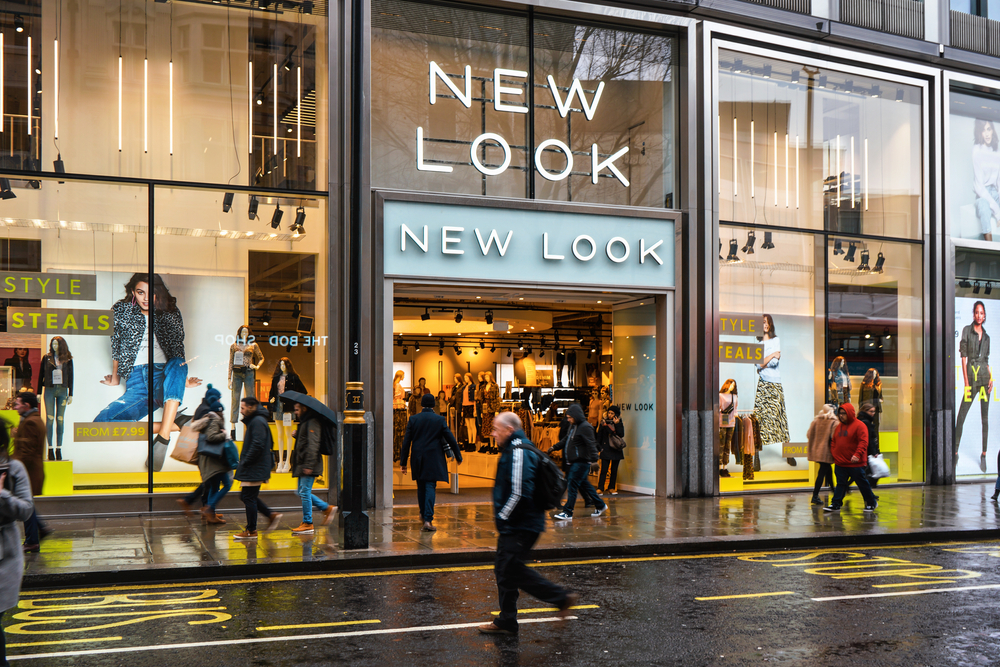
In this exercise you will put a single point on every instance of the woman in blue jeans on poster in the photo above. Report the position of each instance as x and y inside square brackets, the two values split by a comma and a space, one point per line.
[168, 376]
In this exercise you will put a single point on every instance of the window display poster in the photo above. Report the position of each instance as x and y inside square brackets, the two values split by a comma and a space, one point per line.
[977, 400]
[795, 404]
[974, 172]
[25, 362]
[211, 309]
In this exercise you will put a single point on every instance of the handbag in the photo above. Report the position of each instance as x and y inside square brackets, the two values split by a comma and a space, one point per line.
[615, 441]
[186, 449]
[213, 449]
[877, 467]
[231, 454]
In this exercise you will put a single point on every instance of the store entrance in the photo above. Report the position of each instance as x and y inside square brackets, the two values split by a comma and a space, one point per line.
[480, 351]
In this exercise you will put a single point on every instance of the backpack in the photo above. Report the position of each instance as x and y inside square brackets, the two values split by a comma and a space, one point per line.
[328, 441]
[550, 483]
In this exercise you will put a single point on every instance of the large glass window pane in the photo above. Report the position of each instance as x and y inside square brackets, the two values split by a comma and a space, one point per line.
[634, 390]
[814, 148]
[628, 86]
[974, 169]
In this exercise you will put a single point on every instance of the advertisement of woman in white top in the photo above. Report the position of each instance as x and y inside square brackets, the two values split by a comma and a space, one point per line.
[769, 401]
[986, 176]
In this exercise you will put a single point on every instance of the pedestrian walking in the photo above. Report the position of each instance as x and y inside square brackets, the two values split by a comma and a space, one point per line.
[869, 418]
[849, 447]
[580, 449]
[215, 478]
[429, 436]
[29, 449]
[255, 466]
[307, 465]
[15, 505]
[611, 453]
[819, 434]
[519, 523]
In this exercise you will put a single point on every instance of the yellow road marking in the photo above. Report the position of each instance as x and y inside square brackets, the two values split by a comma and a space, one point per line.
[66, 641]
[474, 568]
[540, 610]
[749, 595]
[315, 625]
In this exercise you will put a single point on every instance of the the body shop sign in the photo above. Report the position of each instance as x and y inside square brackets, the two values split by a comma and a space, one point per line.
[510, 96]
[504, 244]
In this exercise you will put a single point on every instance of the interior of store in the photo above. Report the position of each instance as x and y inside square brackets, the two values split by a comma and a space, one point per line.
[484, 350]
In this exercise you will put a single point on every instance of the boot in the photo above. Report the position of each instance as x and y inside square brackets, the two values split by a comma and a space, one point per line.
[58, 453]
[791, 461]
[816, 500]
[52, 454]
[996, 494]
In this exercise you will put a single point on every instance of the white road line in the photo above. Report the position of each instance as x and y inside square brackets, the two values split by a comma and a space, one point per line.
[899, 593]
[263, 640]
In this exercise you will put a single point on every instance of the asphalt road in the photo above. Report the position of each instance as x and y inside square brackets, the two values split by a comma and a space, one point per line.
[928, 605]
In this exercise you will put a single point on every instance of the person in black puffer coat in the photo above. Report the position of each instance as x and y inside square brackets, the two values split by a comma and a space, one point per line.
[255, 466]
[867, 417]
[610, 457]
[579, 447]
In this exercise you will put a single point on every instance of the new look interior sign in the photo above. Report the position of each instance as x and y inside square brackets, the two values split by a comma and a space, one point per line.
[436, 240]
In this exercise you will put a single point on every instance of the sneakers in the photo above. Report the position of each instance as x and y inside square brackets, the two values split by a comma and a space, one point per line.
[597, 513]
[567, 606]
[724, 473]
[562, 516]
[614, 492]
[871, 508]
[303, 529]
[328, 515]
[274, 522]
[831, 508]
[245, 535]
[494, 629]
[816, 500]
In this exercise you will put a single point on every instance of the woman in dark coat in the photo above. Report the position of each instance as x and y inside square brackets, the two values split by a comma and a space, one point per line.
[610, 457]
[428, 433]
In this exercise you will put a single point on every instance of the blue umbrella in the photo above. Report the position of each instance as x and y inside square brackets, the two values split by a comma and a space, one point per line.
[311, 403]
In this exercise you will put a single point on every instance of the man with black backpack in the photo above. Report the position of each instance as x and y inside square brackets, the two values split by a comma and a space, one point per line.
[526, 483]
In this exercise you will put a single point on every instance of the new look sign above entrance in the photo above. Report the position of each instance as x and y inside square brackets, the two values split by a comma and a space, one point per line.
[502, 244]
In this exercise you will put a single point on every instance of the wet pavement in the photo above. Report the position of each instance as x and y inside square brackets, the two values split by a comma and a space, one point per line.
[135, 548]
[905, 605]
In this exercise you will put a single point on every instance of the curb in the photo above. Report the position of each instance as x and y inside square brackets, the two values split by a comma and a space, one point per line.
[379, 561]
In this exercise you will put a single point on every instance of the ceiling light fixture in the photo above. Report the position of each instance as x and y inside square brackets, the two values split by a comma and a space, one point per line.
[458, 316]
[975, 287]
[838, 247]
[767, 245]
[426, 316]
[489, 317]
[879, 262]
[300, 218]
[227, 202]
[863, 266]
[265, 319]
[989, 288]
[751, 239]
[416, 346]
[5, 191]
[276, 217]
[868, 333]
[734, 252]
[964, 282]
[458, 350]
[252, 209]
[849, 257]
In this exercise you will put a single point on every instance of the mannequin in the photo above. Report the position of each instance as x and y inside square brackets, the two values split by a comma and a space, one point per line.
[769, 400]
[480, 388]
[399, 418]
[415, 396]
[55, 381]
[284, 379]
[560, 364]
[571, 368]
[245, 358]
[455, 409]
[469, 406]
[491, 406]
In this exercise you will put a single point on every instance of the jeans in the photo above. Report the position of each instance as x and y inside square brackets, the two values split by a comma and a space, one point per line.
[984, 410]
[984, 211]
[244, 379]
[55, 409]
[613, 482]
[426, 495]
[847, 475]
[212, 490]
[577, 480]
[32, 528]
[308, 499]
[248, 494]
[168, 385]
[824, 476]
[512, 574]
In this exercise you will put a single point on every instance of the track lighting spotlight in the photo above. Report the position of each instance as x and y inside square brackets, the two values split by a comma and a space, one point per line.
[458, 317]
[260, 99]
[493, 347]
[886, 333]
[838, 248]
[300, 217]
[252, 210]
[508, 352]
[849, 257]
[426, 316]
[5, 191]
[458, 350]
[863, 266]
[520, 345]
[482, 345]
[489, 317]
[276, 217]
[721, 258]
[989, 288]
[767, 245]
[296, 310]
[868, 333]
[405, 350]
[265, 319]
[579, 336]
[975, 287]
[227, 202]
[734, 252]
[879, 261]
[527, 350]
[589, 353]
[59, 165]
[964, 282]
[440, 352]
[18, 23]
[748, 247]
[416, 346]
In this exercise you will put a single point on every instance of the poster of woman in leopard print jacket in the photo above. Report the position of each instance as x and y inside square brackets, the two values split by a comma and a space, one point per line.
[130, 360]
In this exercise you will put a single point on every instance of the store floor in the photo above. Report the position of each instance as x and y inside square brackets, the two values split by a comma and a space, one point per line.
[157, 547]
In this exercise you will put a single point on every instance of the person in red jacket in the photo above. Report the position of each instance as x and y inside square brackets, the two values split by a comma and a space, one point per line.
[849, 447]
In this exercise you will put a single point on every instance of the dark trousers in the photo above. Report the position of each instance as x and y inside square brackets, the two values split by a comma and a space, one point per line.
[248, 494]
[514, 576]
[32, 529]
[612, 483]
[824, 476]
[577, 481]
[984, 409]
[844, 478]
[426, 495]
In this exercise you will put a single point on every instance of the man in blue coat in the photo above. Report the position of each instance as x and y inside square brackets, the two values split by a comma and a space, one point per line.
[428, 433]
[519, 523]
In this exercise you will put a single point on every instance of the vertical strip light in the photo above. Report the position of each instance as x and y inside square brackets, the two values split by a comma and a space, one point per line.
[250, 107]
[171, 106]
[866, 173]
[145, 105]
[776, 169]
[31, 95]
[298, 115]
[119, 103]
[796, 172]
[838, 171]
[853, 172]
[55, 88]
[786, 170]
[753, 180]
[735, 161]
[274, 105]
[1, 82]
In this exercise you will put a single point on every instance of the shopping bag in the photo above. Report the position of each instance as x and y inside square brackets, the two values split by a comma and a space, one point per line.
[213, 449]
[186, 449]
[877, 467]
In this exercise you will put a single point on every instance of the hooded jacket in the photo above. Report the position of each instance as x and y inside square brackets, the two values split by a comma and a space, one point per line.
[255, 456]
[580, 443]
[819, 433]
[305, 454]
[850, 439]
[514, 489]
